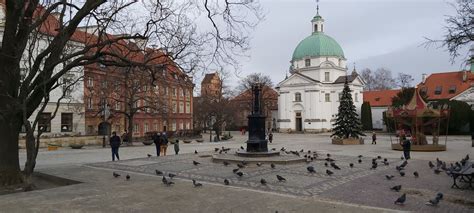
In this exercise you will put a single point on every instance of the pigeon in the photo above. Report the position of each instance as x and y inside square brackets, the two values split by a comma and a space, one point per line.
[333, 165]
[437, 171]
[402, 158]
[259, 164]
[239, 173]
[216, 149]
[435, 201]
[416, 174]
[244, 163]
[263, 181]
[158, 172]
[240, 165]
[326, 164]
[351, 165]
[360, 160]
[385, 160]
[196, 184]
[274, 149]
[386, 163]
[329, 172]
[226, 182]
[405, 163]
[329, 155]
[116, 175]
[195, 151]
[396, 188]
[166, 181]
[280, 178]
[226, 163]
[282, 149]
[127, 177]
[196, 163]
[241, 147]
[148, 155]
[389, 177]
[171, 175]
[379, 157]
[360, 156]
[220, 152]
[431, 164]
[272, 165]
[310, 169]
[374, 166]
[235, 170]
[402, 173]
[401, 199]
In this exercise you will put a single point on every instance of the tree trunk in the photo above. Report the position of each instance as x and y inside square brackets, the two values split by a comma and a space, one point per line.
[30, 153]
[10, 172]
[130, 130]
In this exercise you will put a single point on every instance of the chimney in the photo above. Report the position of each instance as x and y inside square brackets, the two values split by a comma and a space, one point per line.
[423, 78]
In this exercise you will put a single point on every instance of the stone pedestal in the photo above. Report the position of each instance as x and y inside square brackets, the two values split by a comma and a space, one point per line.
[256, 142]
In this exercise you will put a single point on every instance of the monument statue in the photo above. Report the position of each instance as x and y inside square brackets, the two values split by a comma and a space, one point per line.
[256, 123]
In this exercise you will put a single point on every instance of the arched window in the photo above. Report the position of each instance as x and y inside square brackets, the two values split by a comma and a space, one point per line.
[315, 28]
[298, 97]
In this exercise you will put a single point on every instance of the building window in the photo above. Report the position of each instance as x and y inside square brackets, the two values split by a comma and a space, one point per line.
[44, 122]
[424, 91]
[452, 89]
[103, 84]
[145, 88]
[298, 97]
[67, 85]
[166, 90]
[90, 82]
[90, 103]
[173, 126]
[188, 97]
[136, 128]
[181, 125]
[182, 92]
[188, 107]
[173, 91]
[326, 76]
[181, 107]
[327, 97]
[117, 86]
[175, 107]
[356, 97]
[315, 28]
[155, 127]
[66, 122]
[117, 105]
[146, 127]
[438, 90]
[307, 62]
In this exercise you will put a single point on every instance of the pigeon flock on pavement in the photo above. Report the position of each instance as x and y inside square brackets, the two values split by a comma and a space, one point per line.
[438, 167]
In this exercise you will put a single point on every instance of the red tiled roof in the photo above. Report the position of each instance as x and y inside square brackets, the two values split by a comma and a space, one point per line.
[380, 98]
[445, 81]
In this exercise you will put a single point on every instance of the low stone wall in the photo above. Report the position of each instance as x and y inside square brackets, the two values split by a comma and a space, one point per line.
[348, 141]
[66, 141]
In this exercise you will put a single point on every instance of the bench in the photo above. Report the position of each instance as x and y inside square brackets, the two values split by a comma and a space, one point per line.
[466, 175]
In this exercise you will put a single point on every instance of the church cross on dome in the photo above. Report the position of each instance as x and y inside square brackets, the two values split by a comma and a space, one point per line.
[317, 21]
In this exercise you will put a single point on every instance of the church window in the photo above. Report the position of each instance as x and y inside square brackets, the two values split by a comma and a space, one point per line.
[452, 89]
[356, 97]
[327, 97]
[307, 62]
[326, 76]
[298, 97]
[438, 90]
[315, 28]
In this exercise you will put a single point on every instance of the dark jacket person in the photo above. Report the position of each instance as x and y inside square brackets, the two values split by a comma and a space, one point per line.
[115, 144]
[156, 140]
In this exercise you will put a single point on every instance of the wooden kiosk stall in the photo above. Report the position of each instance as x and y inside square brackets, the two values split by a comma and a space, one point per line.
[420, 123]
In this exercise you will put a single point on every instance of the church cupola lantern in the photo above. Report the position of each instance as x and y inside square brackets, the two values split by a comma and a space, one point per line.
[318, 22]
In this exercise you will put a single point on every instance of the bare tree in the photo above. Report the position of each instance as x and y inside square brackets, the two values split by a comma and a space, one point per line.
[249, 80]
[404, 80]
[459, 29]
[170, 25]
[384, 79]
[370, 82]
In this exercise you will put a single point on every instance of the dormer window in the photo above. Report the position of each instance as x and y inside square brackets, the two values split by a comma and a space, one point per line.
[307, 62]
[438, 90]
[326, 76]
[452, 89]
[297, 97]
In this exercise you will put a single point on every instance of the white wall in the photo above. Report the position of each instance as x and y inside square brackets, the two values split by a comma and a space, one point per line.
[377, 117]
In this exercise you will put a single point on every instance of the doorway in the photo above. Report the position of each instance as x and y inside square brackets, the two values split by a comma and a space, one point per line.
[299, 122]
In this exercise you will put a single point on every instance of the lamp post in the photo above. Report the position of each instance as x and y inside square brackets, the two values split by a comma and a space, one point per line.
[212, 120]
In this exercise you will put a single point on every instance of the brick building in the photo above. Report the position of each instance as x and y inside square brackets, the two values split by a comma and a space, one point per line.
[243, 102]
[211, 85]
[379, 102]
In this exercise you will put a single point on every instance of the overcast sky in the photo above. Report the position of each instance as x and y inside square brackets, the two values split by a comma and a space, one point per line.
[372, 33]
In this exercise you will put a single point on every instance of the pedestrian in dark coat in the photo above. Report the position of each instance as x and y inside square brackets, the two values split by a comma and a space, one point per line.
[115, 144]
[164, 143]
[176, 146]
[270, 137]
[406, 148]
[374, 138]
[156, 141]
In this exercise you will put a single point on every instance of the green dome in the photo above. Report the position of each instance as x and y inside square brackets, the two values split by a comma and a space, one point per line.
[318, 44]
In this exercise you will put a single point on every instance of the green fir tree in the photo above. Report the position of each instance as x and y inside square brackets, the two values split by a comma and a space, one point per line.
[347, 121]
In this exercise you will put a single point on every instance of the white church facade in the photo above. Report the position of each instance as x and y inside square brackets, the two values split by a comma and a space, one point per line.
[309, 98]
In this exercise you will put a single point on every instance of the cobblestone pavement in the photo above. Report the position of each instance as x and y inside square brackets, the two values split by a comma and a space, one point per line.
[358, 185]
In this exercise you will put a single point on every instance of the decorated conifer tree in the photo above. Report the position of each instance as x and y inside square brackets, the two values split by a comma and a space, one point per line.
[347, 121]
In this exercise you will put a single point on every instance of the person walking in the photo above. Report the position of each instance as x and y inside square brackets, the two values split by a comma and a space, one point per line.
[374, 138]
[164, 143]
[125, 137]
[176, 146]
[156, 141]
[406, 147]
[270, 137]
[115, 144]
